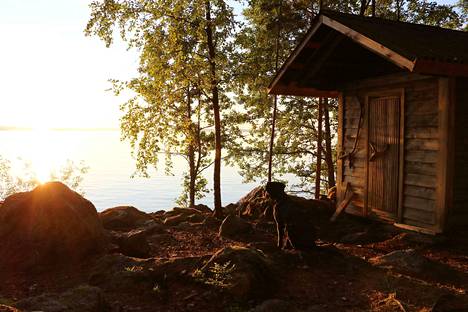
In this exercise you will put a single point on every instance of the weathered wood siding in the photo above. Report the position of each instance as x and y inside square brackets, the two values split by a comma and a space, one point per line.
[421, 147]
[459, 213]
[354, 173]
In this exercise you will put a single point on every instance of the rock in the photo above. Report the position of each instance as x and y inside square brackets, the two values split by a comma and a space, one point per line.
[354, 238]
[135, 244]
[211, 222]
[196, 218]
[124, 218]
[177, 211]
[116, 272]
[423, 239]
[179, 215]
[184, 226]
[257, 203]
[81, 299]
[450, 303]
[275, 305]
[203, 208]
[247, 272]
[5, 308]
[51, 224]
[231, 209]
[402, 260]
[176, 220]
[233, 226]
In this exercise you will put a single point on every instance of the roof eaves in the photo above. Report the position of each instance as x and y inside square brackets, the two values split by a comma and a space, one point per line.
[369, 43]
[292, 57]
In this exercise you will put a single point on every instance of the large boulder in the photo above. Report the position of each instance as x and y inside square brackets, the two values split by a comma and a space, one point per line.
[124, 218]
[257, 203]
[47, 225]
[80, 299]
[234, 226]
[243, 272]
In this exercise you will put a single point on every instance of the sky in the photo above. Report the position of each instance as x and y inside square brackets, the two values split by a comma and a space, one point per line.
[51, 75]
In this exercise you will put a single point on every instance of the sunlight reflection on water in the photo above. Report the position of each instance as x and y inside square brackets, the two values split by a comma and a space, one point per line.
[108, 182]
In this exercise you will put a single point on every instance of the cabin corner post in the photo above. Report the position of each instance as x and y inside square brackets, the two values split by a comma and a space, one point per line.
[339, 161]
[445, 161]
[401, 175]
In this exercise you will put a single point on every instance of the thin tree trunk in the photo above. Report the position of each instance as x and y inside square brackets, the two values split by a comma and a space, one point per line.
[275, 101]
[364, 5]
[398, 7]
[191, 152]
[373, 8]
[318, 166]
[272, 138]
[218, 210]
[328, 148]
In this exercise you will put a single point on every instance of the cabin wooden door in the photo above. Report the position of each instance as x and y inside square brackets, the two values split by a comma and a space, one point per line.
[383, 156]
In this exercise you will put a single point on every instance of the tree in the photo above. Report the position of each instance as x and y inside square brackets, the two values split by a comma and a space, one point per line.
[185, 51]
[295, 131]
[328, 145]
[295, 145]
[318, 166]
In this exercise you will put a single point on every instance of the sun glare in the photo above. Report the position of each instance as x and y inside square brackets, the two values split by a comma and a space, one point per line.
[42, 159]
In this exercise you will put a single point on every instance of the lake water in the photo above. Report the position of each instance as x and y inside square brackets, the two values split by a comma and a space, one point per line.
[108, 182]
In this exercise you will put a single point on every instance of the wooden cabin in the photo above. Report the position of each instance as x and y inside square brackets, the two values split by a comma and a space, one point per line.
[403, 115]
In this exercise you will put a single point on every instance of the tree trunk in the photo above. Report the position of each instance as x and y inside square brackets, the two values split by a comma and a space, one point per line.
[364, 4]
[275, 102]
[318, 166]
[191, 151]
[328, 148]
[218, 211]
[398, 7]
[272, 138]
[373, 8]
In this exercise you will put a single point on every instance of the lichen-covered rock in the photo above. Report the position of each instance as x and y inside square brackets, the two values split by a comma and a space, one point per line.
[80, 299]
[233, 226]
[243, 272]
[48, 225]
[124, 218]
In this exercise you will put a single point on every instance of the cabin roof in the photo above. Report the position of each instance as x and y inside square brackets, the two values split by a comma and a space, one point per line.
[340, 47]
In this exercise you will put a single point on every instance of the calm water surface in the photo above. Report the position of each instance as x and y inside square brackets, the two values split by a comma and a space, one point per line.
[108, 182]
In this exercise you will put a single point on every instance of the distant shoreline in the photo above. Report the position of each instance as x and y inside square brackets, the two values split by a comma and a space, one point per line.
[6, 128]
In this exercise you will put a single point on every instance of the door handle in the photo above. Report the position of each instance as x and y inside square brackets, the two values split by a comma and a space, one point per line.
[374, 153]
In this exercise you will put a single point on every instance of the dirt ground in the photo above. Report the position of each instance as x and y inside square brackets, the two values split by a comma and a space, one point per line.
[337, 276]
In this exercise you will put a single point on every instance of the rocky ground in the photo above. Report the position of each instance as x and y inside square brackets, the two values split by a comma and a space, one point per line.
[185, 260]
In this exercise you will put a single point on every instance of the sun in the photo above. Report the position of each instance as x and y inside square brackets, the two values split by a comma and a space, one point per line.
[42, 154]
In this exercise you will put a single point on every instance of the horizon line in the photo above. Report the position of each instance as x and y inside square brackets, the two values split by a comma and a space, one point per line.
[14, 128]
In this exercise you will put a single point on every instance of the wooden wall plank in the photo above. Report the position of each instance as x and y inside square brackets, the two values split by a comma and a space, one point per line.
[420, 180]
[429, 157]
[420, 192]
[445, 161]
